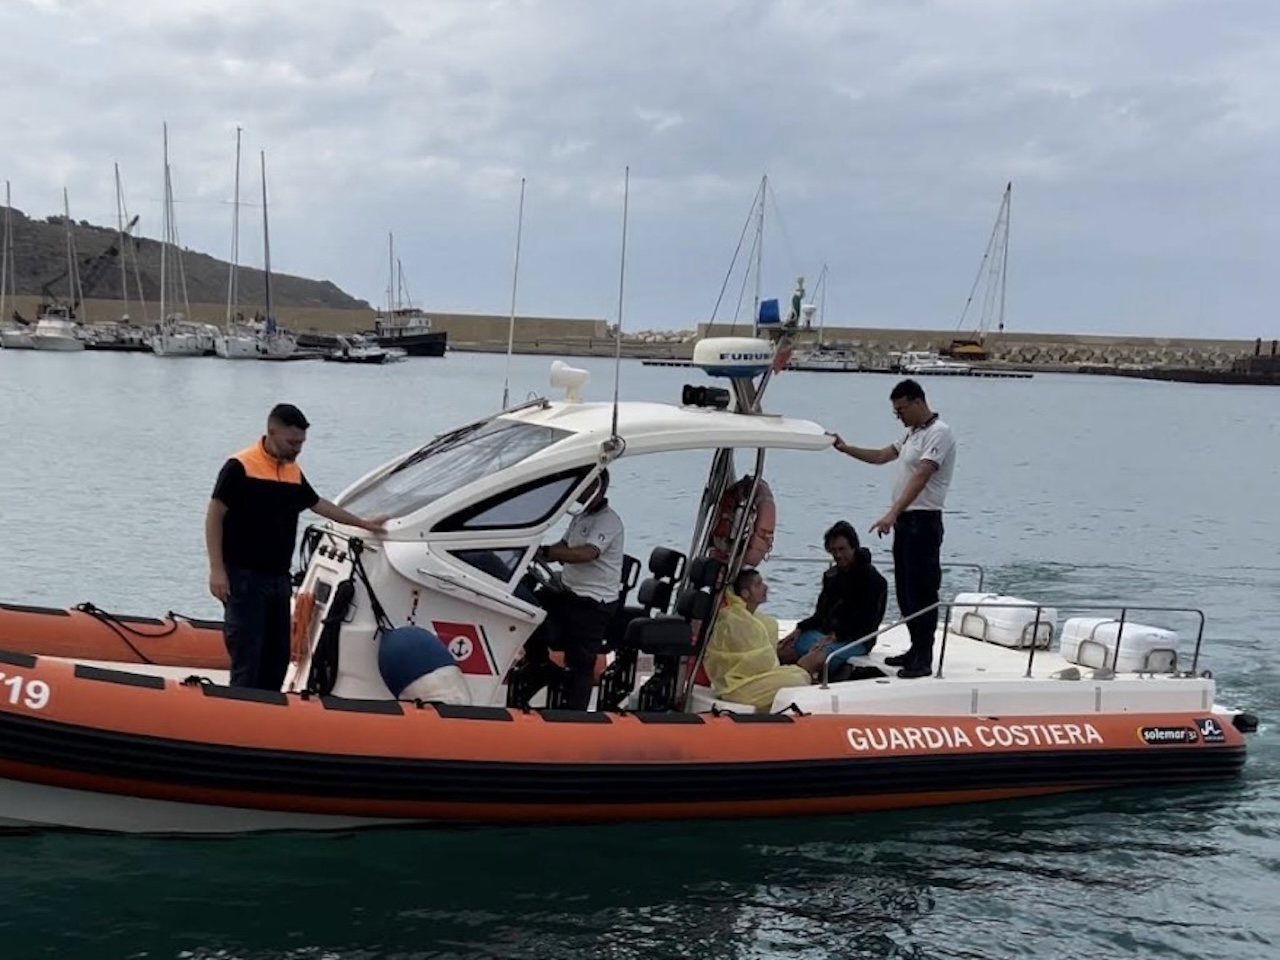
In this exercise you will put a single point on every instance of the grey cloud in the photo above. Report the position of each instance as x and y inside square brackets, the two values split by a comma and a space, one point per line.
[1139, 137]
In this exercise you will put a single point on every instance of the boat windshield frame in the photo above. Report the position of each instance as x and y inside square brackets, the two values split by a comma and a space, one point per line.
[449, 463]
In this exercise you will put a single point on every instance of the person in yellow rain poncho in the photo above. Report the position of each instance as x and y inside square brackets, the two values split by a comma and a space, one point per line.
[742, 654]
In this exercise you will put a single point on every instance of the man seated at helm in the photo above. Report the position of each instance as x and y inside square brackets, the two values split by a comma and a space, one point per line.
[590, 583]
[742, 654]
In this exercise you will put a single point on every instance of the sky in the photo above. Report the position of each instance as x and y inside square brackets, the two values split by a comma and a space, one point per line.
[1140, 137]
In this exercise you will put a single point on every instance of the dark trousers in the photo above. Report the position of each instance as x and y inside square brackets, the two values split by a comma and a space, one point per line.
[917, 577]
[576, 626]
[256, 628]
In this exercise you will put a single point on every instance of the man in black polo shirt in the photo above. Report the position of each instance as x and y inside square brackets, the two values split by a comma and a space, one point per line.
[250, 529]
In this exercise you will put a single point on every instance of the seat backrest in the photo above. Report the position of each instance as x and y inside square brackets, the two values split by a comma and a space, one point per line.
[630, 574]
[666, 564]
[654, 595]
[662, 636]
[706, 573]
[694, 604]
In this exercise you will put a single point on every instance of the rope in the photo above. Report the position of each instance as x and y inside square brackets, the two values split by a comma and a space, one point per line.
[120, 628]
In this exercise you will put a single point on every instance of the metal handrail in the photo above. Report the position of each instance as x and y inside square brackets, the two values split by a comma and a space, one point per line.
[826, 663]
[982, 573]
[947, 606]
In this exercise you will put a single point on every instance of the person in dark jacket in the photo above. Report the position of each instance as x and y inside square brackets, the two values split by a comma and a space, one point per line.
[850, 605]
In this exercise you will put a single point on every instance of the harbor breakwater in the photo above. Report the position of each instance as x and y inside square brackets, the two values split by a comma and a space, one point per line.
[1212, 358]
[570, 336]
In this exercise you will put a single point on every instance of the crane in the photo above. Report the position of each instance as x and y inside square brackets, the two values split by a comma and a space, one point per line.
[91, 274]
[994, 263]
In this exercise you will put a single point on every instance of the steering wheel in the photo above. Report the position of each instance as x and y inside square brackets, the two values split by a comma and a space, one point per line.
[542, 574]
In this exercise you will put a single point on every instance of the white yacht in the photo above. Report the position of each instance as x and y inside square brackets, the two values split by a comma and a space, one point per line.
[55, 330]
[16, 338]
[926, 361]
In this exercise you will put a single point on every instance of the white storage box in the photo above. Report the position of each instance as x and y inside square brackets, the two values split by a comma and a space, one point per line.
[1008, 626]
[1091, 642]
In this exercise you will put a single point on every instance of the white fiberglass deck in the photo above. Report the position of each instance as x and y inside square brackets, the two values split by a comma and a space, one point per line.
[988, 680]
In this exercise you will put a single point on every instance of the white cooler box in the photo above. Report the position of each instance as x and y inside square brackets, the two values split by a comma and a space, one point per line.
[1091, 642]
[1006, 626]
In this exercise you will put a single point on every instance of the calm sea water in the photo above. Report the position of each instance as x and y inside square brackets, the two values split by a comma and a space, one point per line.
[1068, 489]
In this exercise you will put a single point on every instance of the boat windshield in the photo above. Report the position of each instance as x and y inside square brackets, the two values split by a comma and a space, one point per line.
[450, 462]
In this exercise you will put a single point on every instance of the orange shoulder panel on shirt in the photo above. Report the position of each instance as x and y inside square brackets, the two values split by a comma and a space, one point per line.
[260, 465]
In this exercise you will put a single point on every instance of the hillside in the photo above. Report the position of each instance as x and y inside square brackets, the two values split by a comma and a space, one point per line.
[40, 257]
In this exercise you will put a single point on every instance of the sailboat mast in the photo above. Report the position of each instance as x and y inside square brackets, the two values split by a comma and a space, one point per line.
[391, 274]
[822, 302]
[166, 228]
[6, 255]
[71, 255]
[124, 266]
[266, 240]
[233, 291]
[1004, 266]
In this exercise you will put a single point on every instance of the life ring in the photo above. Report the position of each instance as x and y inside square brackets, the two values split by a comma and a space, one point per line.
[760, 540]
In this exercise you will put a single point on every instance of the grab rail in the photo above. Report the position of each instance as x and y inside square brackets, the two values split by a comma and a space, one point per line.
[947, 605]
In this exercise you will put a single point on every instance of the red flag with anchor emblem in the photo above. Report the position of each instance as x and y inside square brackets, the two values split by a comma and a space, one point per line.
[467, 644]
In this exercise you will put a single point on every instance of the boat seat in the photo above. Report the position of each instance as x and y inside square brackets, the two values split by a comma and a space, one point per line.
[653, 599]
[694, 607]
[662, 636]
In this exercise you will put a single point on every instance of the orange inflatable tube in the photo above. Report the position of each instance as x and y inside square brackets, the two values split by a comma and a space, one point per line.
[85, 632]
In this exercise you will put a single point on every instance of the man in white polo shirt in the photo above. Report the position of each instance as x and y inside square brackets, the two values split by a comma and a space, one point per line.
[577, 616]
[926, 458]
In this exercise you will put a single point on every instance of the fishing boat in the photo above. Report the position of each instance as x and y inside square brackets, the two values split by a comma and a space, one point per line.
[371, 727]
[404, 326]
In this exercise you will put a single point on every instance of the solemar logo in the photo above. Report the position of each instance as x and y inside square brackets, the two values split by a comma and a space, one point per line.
[757, 356]
[1163, 735]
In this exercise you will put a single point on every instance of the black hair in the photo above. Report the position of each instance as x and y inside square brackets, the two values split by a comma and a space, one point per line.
[287, 415]
[907, 390]
[841, 528]
[744, 579]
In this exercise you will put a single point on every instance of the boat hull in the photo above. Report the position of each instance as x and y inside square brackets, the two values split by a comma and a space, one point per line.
[417, 344]
[70, 733]
[57, 343]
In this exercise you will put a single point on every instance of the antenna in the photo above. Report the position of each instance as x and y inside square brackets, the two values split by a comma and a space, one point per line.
[622, 273]
[511, 325]
[755, 309]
